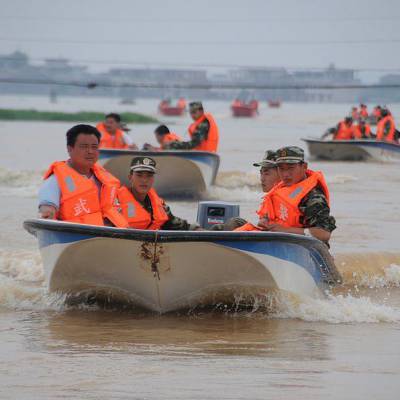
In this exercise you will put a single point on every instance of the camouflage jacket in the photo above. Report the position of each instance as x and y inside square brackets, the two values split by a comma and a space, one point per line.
[199, 135]
[173, 223]
[316, 212]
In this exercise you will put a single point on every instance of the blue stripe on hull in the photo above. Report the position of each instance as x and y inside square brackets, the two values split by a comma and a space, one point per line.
[291, 252]
[48, 238]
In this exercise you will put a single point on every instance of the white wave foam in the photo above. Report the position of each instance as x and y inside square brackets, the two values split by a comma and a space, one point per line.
[18, 178]
[251, 180]
[340, 179]
[390, 278]
[20, 183]
[238, 194]
[17, 295]
[235, 179]
[336, 309]
[21, 265]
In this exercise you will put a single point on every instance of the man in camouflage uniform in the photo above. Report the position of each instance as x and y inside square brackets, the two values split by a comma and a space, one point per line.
[314, 207]
[200, 135]
[268, 178]
[145, 168]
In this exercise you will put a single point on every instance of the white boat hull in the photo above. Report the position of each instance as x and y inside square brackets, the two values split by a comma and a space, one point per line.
[179, 173]
[353, 150]
[168, 271]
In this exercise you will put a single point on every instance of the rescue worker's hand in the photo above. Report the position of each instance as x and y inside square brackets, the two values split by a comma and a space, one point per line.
[263, 224]
[275, 228]
[47, 212]
[133, 147]
[146, 146]
[149, 147]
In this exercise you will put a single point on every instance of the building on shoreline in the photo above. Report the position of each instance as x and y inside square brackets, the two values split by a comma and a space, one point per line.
[57, 76]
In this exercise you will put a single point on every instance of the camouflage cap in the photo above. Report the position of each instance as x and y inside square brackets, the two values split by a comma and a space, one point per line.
[143, 164]
[195, 105]
[290, 155]
[268, 161]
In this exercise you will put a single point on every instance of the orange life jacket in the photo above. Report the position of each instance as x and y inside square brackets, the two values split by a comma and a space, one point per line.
[109, 141]
[358, 134]
[376, 112]
[211, 143]
[281, 203]
[181, 103]
[355, 115]
[80, 200]
[344, 132]
[135, 213]
[364, 112]
[170, 137]
[380, 129]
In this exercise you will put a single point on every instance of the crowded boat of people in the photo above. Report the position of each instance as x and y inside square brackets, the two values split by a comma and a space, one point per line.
[357, 126]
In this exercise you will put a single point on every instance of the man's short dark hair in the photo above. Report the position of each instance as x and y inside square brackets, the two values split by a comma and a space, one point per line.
[116, 117]
[162, 130]
[76, 130]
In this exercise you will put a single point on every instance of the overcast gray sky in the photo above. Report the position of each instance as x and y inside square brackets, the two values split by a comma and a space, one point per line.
[291, 33]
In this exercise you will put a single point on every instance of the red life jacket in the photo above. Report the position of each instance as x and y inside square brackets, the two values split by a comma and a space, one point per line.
[380, 129]
[80, 201]
[109, 141]
[211, 143]
[137, 216]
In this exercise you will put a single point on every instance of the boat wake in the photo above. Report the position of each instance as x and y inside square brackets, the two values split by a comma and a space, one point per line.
[20, 183]
[245, 186]
[22, 287]
[336, 309]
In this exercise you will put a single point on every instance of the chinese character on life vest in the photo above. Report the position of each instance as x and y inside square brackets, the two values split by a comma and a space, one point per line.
[283, 211]
[80, 207]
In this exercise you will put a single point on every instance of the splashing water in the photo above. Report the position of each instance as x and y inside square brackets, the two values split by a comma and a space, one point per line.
[20, 183]
[371, 270]
[22, 287]
[336, 309]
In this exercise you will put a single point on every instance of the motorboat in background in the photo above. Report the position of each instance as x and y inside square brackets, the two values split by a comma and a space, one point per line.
[180, 173]
[353, 150]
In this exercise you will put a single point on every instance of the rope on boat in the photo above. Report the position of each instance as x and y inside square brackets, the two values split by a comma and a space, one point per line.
[154, 263]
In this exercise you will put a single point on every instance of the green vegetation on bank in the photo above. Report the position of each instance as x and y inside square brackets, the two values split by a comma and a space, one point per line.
[83, 116]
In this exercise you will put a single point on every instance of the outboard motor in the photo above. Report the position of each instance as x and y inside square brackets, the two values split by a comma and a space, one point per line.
[210, 213]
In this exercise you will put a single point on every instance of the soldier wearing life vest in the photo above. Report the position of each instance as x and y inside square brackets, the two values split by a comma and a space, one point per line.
[355, 115]
[385, 128]
[140, 204]
[344, 129]
[269, 177]
[362, 130]
[79, 190]
[163, 137]
[112, 134]
[299, 203]
[363, 111]
[376, 112]
[203, 131]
